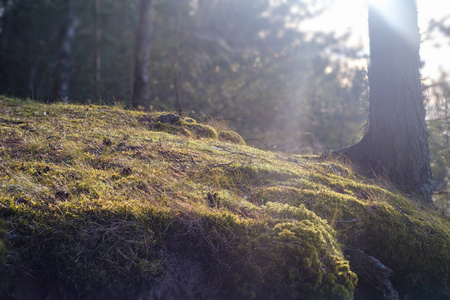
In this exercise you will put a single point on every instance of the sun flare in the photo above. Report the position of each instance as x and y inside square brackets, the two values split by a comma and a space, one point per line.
[388, 10]
[380, 4]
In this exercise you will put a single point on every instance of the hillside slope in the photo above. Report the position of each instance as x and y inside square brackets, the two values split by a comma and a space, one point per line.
[105, 203]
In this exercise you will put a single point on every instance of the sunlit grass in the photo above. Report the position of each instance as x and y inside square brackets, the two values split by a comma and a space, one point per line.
[100, 198]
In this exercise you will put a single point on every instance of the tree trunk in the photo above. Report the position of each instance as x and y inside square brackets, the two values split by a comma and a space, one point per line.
[97, 61]
[141, 81]
[395, 144]
[176, 64]
[64, 63]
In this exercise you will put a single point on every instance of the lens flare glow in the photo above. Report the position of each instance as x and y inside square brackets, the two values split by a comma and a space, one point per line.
[380, 4]
[351, 15]
[390, 10]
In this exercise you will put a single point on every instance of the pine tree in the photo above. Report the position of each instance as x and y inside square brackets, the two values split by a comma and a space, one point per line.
[395, 144]
[141, 82]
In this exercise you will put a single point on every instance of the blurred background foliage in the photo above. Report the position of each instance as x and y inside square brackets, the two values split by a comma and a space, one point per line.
[248, 63]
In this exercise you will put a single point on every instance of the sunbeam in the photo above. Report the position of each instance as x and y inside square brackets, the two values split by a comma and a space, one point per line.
[386, 9]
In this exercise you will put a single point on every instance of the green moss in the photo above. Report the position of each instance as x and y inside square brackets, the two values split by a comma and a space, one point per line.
[258, 175]
[201, 130]
[392, 230]
[178, 125]
[58, 242]
[173, 129]
[99, 197]
[280, 256]
[413, 244]
[232, 137]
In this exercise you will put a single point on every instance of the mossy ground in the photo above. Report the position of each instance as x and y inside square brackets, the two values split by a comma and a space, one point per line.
[99, 196]
[231, 136]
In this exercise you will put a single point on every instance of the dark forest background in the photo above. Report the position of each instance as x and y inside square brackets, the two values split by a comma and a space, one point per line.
[248, 64]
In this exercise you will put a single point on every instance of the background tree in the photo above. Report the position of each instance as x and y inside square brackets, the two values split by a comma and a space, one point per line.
[396, 143]
[141, 83]
[65, 57]
[97, 54]
[438, 118]
[248, 62]
[438, 108]
[36, 52]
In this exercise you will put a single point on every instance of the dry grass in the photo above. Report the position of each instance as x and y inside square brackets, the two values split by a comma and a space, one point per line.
[100, 197]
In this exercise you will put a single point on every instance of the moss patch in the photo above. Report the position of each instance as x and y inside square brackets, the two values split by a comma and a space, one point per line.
[100, 198]
[232, 137]
[177, 125]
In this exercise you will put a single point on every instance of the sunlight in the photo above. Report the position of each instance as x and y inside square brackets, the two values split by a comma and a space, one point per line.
[341, 16]
[351, 16]
[381, 4]
[389, 9]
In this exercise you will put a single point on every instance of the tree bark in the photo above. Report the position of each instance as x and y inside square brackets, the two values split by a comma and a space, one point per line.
[64, 63]
[176, 64]
[141, 81]
[97, 57]
[395, 144]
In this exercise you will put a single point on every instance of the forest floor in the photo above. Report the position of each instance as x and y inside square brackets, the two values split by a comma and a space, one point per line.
[102, 202]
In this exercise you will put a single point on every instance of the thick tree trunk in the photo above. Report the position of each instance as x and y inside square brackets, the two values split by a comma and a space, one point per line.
[396, 142]
[141, 81]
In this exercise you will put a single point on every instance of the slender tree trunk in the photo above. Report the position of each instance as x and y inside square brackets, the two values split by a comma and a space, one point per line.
[64, 63]
[177, 83]
[5, 23]
[395, 144]
[97, 58]
[176, 64]
[141, 81]
[31, 78]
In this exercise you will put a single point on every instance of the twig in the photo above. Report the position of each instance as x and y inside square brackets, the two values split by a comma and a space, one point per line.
[349, 221]
[400, 210]
[5, 121]
[221, 165]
